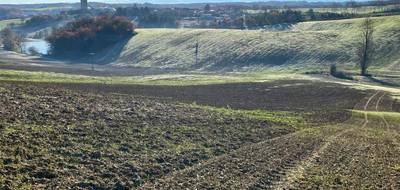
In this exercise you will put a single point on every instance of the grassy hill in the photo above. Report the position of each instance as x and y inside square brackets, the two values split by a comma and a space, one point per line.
[309, 44]
[4, 23]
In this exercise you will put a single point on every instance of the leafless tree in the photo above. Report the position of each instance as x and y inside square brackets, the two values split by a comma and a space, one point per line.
[11, 41]
[365, 46]
[353, 5]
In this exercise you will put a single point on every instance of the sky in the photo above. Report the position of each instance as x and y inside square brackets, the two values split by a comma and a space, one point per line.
[127, 1]
[113, 1]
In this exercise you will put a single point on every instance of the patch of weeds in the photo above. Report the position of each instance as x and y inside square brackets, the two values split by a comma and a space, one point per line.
[329, 180]
[282, 117]
[7, 128]
[29, 97]
[186, 145]
[395, 116]
[396, 168]
[3, 90]
[40, 128]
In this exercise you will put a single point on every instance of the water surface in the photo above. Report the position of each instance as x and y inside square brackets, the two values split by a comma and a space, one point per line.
[40, 45]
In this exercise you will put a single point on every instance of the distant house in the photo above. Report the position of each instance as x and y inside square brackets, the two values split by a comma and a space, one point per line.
[188, 22]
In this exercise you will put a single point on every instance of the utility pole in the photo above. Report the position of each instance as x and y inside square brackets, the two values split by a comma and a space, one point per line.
[197, 50]
[244, 22]
[92, 60]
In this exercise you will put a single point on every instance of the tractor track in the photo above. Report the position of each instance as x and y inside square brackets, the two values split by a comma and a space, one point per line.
[388, 126]
[266, 160]
[366, 108]
[282, 173]
[296, 173]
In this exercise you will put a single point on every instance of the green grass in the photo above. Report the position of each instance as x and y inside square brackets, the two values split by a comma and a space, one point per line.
[163, 79]
[308, 45]
[282, 117]
[394, 116]
[2, 90]
[4, 23]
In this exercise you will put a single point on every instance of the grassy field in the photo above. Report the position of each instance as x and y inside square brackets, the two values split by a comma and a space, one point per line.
[309, 45]
[159, 79]
[4, 23]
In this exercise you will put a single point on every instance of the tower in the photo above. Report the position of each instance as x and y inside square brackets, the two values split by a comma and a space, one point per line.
[84, 5]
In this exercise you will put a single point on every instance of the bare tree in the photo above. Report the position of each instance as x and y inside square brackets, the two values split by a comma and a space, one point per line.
[11, 41]
[352, 4]
[365, 46]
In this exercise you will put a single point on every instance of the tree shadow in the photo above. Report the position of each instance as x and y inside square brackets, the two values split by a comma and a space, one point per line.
[103, 57]
[382, 82]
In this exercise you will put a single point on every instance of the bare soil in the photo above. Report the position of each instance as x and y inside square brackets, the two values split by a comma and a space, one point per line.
[54, 137]
[327, 101]
[88, 136]
[359, 154]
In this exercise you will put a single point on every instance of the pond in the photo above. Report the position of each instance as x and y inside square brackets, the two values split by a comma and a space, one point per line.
[40, 45]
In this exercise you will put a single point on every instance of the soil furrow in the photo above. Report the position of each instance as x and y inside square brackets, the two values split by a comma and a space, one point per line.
[297, 172]
[366, 108]
[254, 166]
[388, 126]
[278, 167]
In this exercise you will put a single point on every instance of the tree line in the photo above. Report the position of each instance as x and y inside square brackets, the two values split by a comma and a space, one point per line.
[151, 17]
[229, 18]
[273, 17]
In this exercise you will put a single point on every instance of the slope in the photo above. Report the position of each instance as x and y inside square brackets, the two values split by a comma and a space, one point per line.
[308, 44]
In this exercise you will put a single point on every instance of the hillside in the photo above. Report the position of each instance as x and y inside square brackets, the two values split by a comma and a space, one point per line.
[306, 44]
[4, 23]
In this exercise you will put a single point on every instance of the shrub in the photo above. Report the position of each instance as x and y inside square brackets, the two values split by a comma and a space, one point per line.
[338, 74]
[333, 70]
[89, 35]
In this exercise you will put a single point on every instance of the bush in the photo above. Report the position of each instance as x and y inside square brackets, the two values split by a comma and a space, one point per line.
[333, 70]
[89, 35]
[338, 74]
